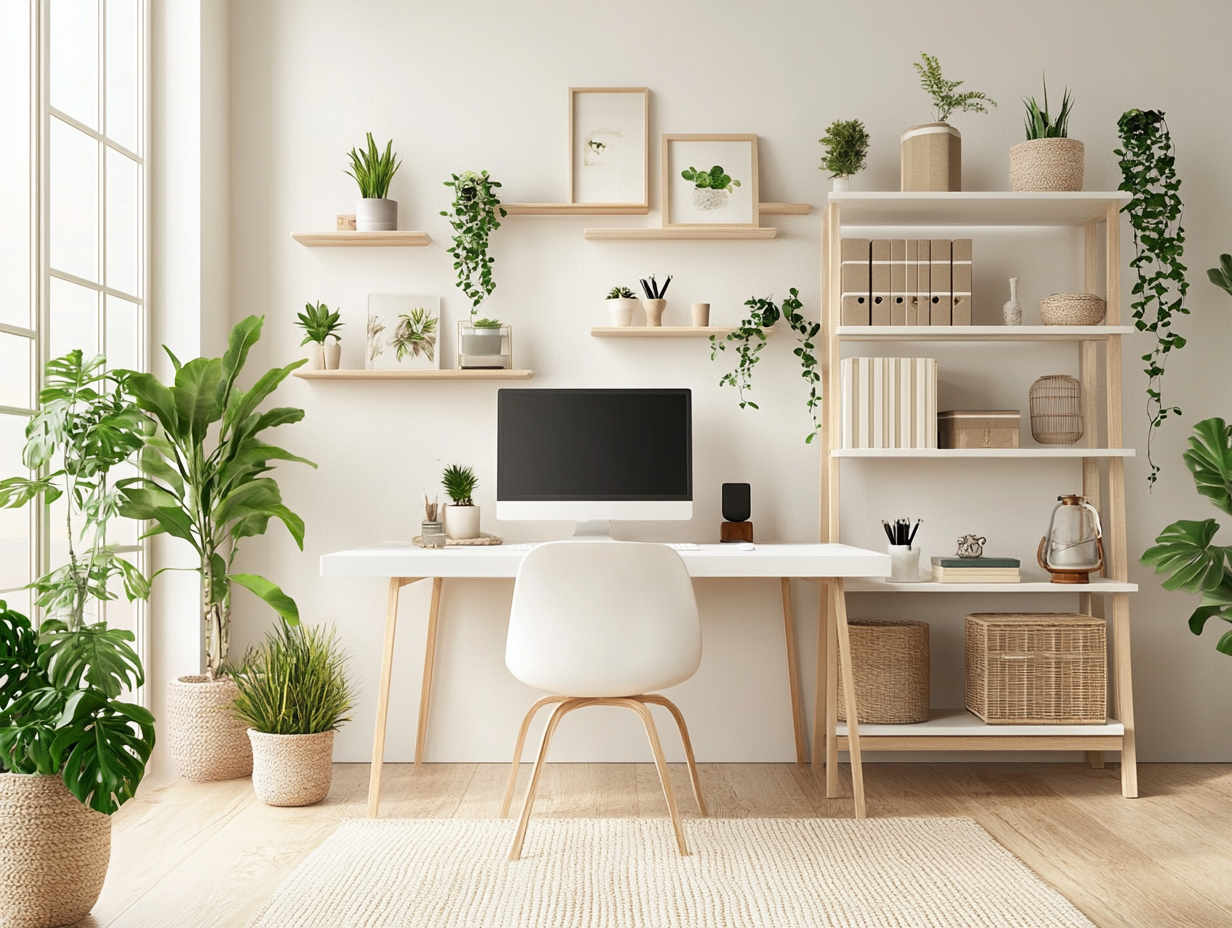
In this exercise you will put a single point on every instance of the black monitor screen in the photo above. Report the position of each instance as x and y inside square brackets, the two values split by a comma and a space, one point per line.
[594, 445]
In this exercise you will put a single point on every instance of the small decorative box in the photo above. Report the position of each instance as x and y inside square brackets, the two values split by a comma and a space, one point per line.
[978, 428]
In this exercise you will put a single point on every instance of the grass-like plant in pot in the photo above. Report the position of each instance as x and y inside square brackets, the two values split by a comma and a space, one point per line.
[293, 696]
[206, 481]
[621, 301]
[932, 152]
[461, 513]
[710, 188]
[373, 171]
[71, 748]
[1049, 159]
[320, 324]
[846, 151]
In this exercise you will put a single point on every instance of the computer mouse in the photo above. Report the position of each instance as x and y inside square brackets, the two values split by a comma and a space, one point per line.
[747, 546]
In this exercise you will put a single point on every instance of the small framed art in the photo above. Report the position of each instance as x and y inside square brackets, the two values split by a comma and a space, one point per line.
[710, 180]
[609, 147]
[403, 332]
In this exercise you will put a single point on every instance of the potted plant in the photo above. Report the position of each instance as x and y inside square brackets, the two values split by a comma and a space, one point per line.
[932, 153]
[846, 151]
[710, 188]
[621, 302]
[373, 171]
[206, 481]
[1049, 159]
[320, 324]
[293, 695]
[484, 344]
[71, 750]
[655, 301]
[462, 515]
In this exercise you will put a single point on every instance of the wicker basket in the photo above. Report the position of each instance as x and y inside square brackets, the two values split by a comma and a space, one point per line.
[292, 770]
[1072, 309]
[206, 740]
[1056, 410]
[1032, 669]
[1046, 165]
[889, 661]
[54, 853]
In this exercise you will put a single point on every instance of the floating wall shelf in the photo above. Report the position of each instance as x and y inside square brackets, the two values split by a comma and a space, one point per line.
[630, 209]
[784, 209]
[362, 239]
[415, 375]
[658, 331]
[608, 235]
[980, 333]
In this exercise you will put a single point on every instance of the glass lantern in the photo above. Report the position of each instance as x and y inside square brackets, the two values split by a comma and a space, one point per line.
[485, 347]
[1073, 548]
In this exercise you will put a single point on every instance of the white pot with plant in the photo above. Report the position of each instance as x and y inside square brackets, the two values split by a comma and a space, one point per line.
[476, 214]
[846, 152]
[710, 188]
[461, 515]
[320, 332]
[932, 153]
[293, 696]
[621, 301]
[1049, 160]
[373, 172]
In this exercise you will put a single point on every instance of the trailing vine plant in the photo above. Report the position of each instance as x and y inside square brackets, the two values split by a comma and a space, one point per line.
[1148, 171]
[749, 338]
[474, 219]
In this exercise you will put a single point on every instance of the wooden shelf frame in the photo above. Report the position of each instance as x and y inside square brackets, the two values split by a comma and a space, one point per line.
[414, 375]
[695, 234]
[399, 239]
[1108, 597]
[630, 209]
[658, 331]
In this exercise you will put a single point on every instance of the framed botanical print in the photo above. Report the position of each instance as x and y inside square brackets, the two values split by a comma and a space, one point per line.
[609, 146]
[710, 180]
[403, 332]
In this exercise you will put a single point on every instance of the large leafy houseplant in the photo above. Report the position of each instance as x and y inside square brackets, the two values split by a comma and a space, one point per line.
[474, 218]
[204, 474]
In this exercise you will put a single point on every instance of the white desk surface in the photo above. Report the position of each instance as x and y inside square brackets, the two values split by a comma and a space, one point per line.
[404, 559]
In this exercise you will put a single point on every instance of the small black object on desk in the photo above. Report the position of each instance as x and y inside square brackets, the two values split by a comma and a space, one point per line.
[737, 507]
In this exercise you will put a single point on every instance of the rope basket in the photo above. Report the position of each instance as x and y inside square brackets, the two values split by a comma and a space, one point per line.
[292, 770]
[1056, 410]
[889, 662]
[206, 740]
[54, 853]
[1046, 164]
[1072, 309]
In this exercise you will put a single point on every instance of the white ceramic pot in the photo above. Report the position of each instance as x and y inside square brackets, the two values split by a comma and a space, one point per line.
[333, 354]
[316, 356]
[207, 742]
[292, 770]
[621, 310]
[461, 522]
[654, 311]
[372, 215]
[841, 184]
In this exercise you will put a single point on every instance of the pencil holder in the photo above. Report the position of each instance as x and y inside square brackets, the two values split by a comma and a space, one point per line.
[904, 564]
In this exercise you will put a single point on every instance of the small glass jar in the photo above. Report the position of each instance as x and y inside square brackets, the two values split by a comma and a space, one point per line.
[485, 347]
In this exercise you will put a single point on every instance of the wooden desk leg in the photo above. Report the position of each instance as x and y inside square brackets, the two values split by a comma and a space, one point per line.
[382, 699]
[831, 694]
[793, 674]
[1125, 695]
[425, 695]
[849, 692]
[819, 685]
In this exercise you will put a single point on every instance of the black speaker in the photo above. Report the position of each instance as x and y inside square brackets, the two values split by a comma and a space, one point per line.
[737, 504]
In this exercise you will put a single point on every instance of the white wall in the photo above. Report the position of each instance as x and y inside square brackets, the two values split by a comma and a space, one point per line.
[484, 86]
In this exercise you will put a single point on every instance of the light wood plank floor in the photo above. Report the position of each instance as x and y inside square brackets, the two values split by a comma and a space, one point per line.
[211, 855]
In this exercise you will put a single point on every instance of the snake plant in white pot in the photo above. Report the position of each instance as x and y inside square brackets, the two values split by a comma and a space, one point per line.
[373, 171]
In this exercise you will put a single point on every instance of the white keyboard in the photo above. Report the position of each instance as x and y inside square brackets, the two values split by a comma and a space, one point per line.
[524, 546]
[683, 546]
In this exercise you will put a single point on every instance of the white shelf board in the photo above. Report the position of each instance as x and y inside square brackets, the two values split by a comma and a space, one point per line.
[975, 208]
[874, 585]
[983, 452]
[961, 723]
[980, 333]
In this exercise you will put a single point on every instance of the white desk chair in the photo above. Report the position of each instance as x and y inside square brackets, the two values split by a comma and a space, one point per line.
[602, 623]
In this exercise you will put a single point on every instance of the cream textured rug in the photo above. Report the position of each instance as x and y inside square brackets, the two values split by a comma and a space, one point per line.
[625, 873]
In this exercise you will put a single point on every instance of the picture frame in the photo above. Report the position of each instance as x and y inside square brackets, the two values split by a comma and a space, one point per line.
[403, 332]
[609, 147]
[726, 200]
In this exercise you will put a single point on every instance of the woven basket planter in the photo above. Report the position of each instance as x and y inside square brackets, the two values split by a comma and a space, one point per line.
[206, 740]
[1046, 164]
[53, 854]
[1072, 309]
[292, 770]
[890, 664]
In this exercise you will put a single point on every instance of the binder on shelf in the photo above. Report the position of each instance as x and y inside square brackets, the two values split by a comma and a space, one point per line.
[910, 290]
[854, 281]
[960, 280]
[940, 299]
[923, 287]
[880, 282]
[888, 402]
[898, 281]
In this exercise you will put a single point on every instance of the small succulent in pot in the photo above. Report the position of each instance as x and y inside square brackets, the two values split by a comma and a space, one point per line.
[461, 515]
[621, 293]
[621, 301]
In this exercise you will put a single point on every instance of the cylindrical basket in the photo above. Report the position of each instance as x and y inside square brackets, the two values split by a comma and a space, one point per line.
[207, 742]
[1072, 309]
[1056, 410]
[292, 770]
[890, 664]
[1046, 165]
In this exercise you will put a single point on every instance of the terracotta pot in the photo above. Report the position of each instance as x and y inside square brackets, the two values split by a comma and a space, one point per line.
[292, 770]
[462, 522]
[206, 740]
[931, 157]
[1047, 165]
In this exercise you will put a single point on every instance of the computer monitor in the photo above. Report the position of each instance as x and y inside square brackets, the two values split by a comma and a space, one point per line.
[590, 456]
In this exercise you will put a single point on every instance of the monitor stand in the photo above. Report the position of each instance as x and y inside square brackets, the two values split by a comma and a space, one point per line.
[593, 530]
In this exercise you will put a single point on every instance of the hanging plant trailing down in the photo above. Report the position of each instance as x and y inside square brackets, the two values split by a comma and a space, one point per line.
[1148, 170]
[474, 219]
[749, 338]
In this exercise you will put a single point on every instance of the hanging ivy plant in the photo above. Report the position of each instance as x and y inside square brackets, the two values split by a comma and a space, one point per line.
[1148, 171]
[474, 219]
[749, 338]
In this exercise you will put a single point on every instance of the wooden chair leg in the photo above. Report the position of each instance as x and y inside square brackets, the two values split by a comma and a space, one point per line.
[657, 749]
[557, 714]
[659, 700]
[517, 751]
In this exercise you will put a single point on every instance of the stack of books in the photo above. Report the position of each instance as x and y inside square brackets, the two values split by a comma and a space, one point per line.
[976, 570]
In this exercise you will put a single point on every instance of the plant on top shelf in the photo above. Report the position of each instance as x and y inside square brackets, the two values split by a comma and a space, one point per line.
[846, 150]
[1148, 172]
[373, 172]
[461, 515]
[710, 188]
[749, 338]
[1049, 159]
[942, 92]
[474, 219]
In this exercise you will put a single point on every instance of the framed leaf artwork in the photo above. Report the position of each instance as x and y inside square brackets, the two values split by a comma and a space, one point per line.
[403, 333]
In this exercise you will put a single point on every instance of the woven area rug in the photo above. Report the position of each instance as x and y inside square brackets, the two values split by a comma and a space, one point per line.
[625, 873]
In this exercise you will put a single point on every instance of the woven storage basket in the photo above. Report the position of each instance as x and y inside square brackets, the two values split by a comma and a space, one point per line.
[206, 740]
[1072, 309]
[1056, 409]
[53, 854]
[889, 662]
[292, 770]
[1046, 164]
[1049, 669]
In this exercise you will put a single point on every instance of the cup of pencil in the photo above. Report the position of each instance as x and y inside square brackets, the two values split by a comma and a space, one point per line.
[904, 558]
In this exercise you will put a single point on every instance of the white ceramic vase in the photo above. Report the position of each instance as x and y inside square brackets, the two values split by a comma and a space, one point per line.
[461, 522]
[373, 215]
[332, 352]
[1011, 311]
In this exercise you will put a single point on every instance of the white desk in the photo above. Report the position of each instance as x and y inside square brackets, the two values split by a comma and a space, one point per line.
[404, 563]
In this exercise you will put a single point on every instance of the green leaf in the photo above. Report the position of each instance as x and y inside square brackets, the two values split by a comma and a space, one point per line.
[1183, 551]
[95, 654]
[103, 746]
[1209, 459]
[279, 601]
[244, 334]
[198, 398]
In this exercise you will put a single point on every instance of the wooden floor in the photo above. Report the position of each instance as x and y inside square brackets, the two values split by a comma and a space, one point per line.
[203, 855]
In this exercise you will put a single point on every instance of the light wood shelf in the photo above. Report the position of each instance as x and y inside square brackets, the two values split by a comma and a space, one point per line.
[976, 208]
[362, 239]
[697, 234]
[575, 209]
[983, 453]
[957, 730]
[415, 375]
[658, 331]
[980, 333]
[784, 209]
[1096, 585]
